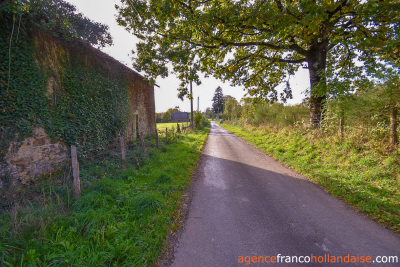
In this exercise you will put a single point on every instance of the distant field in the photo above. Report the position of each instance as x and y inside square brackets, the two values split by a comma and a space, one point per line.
[170, 125]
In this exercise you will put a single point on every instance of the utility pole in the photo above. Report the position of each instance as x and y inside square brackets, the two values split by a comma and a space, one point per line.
[191, 102]
[198, 103]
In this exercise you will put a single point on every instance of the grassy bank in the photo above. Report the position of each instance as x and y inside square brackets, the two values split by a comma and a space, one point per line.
[359, 173]
[121, 219]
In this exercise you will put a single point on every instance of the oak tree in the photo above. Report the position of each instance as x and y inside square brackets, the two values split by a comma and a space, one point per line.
[257, 43]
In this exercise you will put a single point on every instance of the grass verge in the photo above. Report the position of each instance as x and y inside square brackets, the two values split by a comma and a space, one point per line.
[121, 219]
[361, 175]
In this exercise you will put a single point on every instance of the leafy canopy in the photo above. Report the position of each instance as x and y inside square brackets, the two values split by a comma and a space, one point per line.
[58, 18]
[259, 44]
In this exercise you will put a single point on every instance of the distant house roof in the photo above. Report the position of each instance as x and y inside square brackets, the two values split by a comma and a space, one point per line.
[179, 115]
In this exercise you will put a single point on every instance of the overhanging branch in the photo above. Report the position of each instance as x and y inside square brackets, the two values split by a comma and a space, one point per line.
[283, 60]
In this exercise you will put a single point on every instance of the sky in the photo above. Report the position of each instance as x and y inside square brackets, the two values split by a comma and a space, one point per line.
[166, 96]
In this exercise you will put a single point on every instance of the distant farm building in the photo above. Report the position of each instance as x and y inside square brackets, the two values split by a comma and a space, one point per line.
[180, 117]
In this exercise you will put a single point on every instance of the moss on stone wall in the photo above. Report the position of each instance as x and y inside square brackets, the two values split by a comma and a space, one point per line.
[87, 102]
[76, 93]
[23, 103]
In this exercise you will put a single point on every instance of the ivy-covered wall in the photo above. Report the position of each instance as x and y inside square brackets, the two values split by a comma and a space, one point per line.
[76, 93]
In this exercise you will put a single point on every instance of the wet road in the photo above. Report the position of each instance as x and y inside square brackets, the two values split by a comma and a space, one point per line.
[247, 204]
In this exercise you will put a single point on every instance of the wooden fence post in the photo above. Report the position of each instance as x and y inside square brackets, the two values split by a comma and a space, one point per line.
[123, 153]
[166, 134]
[75, 171]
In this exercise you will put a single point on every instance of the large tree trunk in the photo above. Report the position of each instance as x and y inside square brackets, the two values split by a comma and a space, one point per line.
[393, 122]
[316, 68]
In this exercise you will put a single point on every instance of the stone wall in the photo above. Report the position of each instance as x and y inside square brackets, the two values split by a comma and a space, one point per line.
[142, 107]
[141, 96]
[35, 156]
[38, 155]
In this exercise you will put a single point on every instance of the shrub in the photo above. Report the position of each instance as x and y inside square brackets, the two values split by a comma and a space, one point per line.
[279, 115]
[199, 120]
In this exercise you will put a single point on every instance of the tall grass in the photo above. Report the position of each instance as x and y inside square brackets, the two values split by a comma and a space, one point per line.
[121, 219]
[279, 115]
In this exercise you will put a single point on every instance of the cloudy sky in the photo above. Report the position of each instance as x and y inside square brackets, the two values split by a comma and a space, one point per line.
[103, 11]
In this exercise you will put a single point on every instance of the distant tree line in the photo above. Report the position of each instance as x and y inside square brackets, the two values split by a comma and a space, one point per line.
[370, 113]
[166, 116]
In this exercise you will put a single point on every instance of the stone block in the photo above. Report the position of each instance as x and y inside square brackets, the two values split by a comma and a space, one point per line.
[26, 162]
[40, 142]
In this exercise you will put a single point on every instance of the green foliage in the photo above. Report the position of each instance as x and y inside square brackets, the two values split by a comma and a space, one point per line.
[367, 113]
[58, 18]
[260, 44]
[209, 114]
[199, 120]
[22, 88]
[166, 116]
[255, 111]
[249, 108]
[87, 105]
[93, 110]
[218, 101]
[367, 110]
[278, 115]
[351, 169]
[121, 219]
[233, 110]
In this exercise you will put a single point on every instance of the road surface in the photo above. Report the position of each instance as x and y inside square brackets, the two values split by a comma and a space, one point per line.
[247, 204]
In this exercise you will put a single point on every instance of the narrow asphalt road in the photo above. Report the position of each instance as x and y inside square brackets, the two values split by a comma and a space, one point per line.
[246, 204]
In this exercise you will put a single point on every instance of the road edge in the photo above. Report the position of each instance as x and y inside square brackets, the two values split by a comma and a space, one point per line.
[167, 255]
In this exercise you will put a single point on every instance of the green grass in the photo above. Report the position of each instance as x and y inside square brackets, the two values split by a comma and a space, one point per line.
[363, 176]
[121, 219]
[170, 125]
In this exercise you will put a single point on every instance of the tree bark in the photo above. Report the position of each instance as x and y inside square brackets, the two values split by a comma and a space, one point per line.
[317, 68]
[393, 123]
